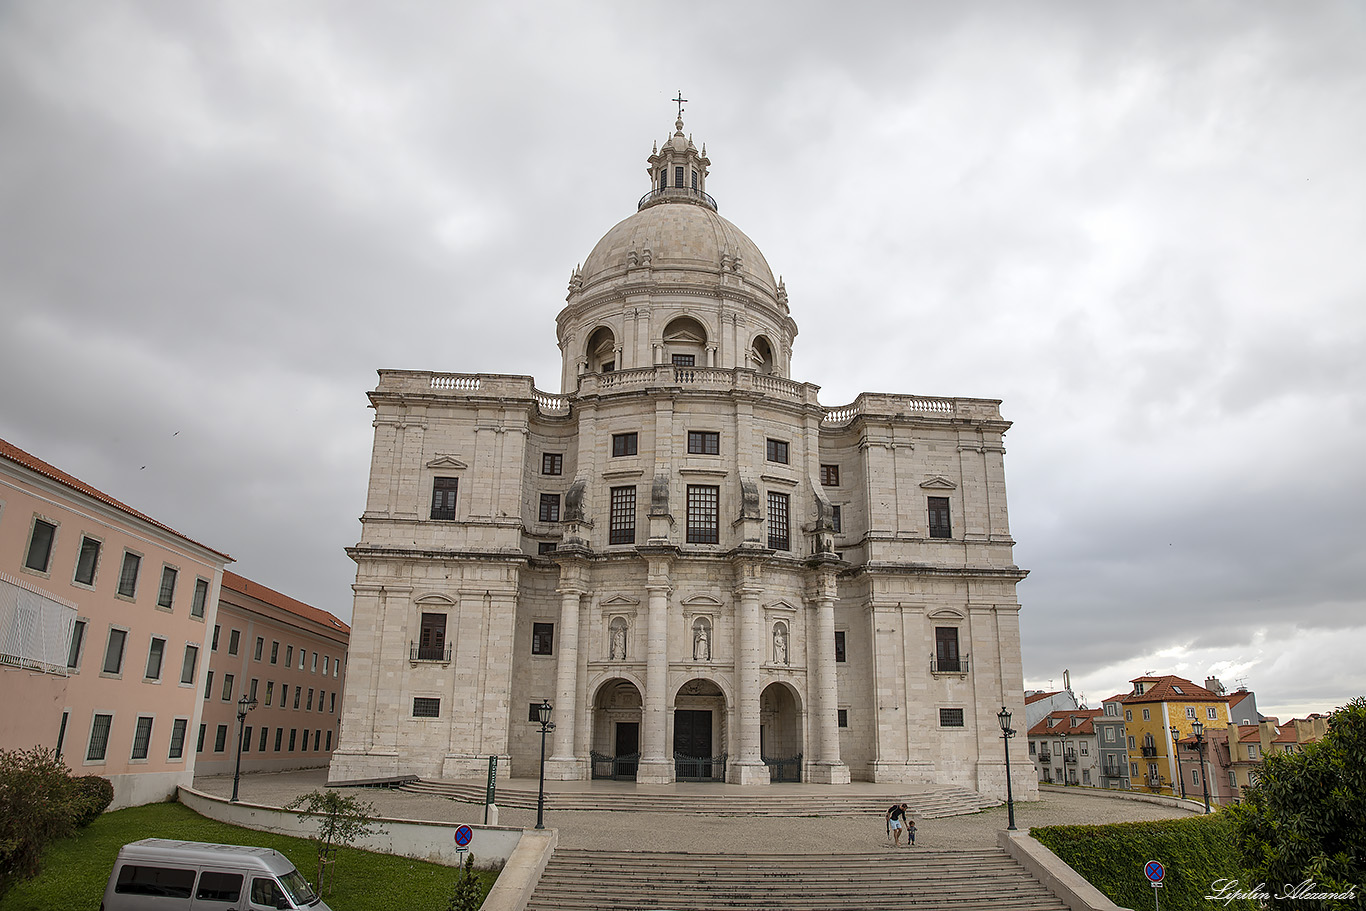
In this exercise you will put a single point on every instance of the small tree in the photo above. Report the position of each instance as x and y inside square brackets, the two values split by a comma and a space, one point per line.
[38, 805]
[1304, 818]
[469, 891]
[341, 820]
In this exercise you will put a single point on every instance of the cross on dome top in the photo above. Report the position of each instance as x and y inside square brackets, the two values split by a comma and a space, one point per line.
[678, 172]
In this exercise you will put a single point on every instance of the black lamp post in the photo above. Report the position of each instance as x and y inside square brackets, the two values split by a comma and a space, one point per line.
[1063, 750]
[1176, 748]
[543, 715]
[244, 705]
[1198, 730]
[1003, 717]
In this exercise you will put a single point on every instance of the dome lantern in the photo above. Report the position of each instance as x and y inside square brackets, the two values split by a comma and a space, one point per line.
[678, 172]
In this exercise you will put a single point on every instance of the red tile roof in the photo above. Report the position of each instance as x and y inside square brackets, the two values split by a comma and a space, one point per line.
[1030, 700]
[1063, 722]
[236, 583]
[1163, 689]
[33, 463]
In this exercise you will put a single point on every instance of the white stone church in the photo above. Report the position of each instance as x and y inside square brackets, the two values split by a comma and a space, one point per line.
[709, 574]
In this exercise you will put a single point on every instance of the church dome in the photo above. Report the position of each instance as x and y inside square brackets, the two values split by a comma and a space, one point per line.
[676, 237]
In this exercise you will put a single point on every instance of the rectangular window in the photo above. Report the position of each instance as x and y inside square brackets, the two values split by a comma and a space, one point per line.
[946, 649]
[166, 594]
[939, 517]
[1085, 749]
[284, 695]
[1190, 712]
[623, 444]
[431, 643]
[298, 692]
[113, 652]
[302, 655]
[199, 746]
[1232, 779]
[327, 665]
[1146, 715]
[777, 451]
[694, 180]
[308, 706]
[87, 561]
[246, 739]
[234, 641]
[201, 597]
[177, 749]
[220, 738]
[684, 360]
[1211, 713]
[251, 694]
[1128, 715]
[313, 667]
[839, 646]
[704, 514]
[443, 497]
[426, 708]
[843, 717]
[704, 442]
[317, 737]
[227, 687]
[279, 736]
[260, 648]
[550, 507]
[542, 638]
[836, 520]
[951, 718]
[213, 643]
[128, 575]
[154, 655]
[329, 742]
[830, 476]
[142, 737]
[545, 547]
[73, 655]
[289, 655]
[293, 738]
[534, 713]
[40, 546]
[270, 690]
[622, 521]
[552, 463]
[1131, 741]
[678, 177]
[99, 738]
[187, 664]
[274, 652]
[1251, 751]
[1195, 776]
[1109, 735]
[261, 747]
[779, 529]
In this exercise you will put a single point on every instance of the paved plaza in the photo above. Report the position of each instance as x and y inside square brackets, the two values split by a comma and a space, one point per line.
[637, 831]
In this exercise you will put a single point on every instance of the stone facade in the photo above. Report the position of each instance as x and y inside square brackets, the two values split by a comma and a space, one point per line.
[705, 571]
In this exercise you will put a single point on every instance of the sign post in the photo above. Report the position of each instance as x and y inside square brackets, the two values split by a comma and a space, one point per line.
[491, 789]
[1154, 870]
[463, 836]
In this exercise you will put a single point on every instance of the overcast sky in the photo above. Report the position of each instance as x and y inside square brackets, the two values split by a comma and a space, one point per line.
[1142, 226]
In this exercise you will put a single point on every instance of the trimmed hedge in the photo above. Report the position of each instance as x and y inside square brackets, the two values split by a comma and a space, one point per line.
[1196, 852]
[93, 796]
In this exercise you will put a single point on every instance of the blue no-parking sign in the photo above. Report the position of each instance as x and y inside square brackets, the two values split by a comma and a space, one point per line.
[1154, 871]
[463, 836]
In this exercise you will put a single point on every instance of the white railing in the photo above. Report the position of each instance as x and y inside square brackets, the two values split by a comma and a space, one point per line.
[35, 627]
[550, 404]
[465, 381]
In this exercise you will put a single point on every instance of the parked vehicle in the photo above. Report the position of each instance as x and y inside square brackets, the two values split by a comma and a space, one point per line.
[159, 873]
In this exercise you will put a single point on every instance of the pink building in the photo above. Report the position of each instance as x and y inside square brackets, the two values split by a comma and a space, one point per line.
[289, 657]
[105, 623]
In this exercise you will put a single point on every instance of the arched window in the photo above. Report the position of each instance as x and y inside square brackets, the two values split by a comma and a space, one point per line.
[602, 351]
[761, 355]
[685, 342]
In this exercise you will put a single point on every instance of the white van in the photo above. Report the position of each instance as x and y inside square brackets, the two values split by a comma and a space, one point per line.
[158, 873]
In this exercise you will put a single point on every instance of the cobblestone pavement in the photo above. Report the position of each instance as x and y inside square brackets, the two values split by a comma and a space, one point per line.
[623, 831]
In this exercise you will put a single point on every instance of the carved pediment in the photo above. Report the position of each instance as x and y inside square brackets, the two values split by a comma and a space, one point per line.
[938, 482]
[618, 602]
[448, 463]
[946, 613]
[435, 600]
[701, 601]
[780, 606]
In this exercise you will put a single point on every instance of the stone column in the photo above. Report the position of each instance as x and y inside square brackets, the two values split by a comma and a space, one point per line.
[655, 765]
[748, 767]
[828, 767]
[563, 764]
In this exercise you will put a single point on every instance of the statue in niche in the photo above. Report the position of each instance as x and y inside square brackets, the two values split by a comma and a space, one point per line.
[618, 640]
[701, 642]
[780, 644]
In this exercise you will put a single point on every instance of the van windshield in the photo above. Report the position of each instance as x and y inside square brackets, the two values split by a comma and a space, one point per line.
[298, 889]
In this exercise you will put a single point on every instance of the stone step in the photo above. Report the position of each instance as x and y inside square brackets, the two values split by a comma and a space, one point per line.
[928, 804]
[939, 880]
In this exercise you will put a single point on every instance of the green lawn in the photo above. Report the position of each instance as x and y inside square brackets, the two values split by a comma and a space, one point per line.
[76, 869]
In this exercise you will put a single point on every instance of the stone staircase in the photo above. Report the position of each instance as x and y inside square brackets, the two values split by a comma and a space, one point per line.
[908, 878]
[775, 800]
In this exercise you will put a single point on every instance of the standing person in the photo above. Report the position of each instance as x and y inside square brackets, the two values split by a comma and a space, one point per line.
[896, 818]
[910, 830]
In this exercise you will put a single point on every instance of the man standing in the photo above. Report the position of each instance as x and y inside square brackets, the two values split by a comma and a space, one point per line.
[896, 819]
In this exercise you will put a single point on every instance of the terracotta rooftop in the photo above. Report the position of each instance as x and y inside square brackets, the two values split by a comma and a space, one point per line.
[236, 583]
[1062, 721]
[1030, 700]
[1170, 688]
[33, 463]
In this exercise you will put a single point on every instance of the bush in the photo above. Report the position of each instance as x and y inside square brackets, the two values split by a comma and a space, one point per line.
[341, 821]
[94, 795]
[1196, 852]
[38, 805]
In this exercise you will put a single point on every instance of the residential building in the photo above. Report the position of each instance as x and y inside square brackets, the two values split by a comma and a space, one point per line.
[1244, 746]
[1110, 738]
[1040, 703]
[1065, 748]
[707, 573]
[1153, 710]
[287, 656]
[104, 613]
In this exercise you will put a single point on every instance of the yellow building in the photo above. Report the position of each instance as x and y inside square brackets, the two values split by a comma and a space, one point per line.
[1156, 706]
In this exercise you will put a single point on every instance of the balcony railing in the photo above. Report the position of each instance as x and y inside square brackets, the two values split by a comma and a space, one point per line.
[957, 665]
[1045, 756]
[676, 194]
[428, 652]
[1071, 756]
[1149, 751]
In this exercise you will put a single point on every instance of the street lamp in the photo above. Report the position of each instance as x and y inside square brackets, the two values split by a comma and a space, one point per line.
[1063, 750]
[1198, 730]
[1176, 748]
[543, 715]
[1003, 717]
[244, 705]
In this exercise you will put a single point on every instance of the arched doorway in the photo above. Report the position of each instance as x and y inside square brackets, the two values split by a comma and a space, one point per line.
[699, 732]
[780, 733]
[616, 730]
[601, 351]
[761, 355]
